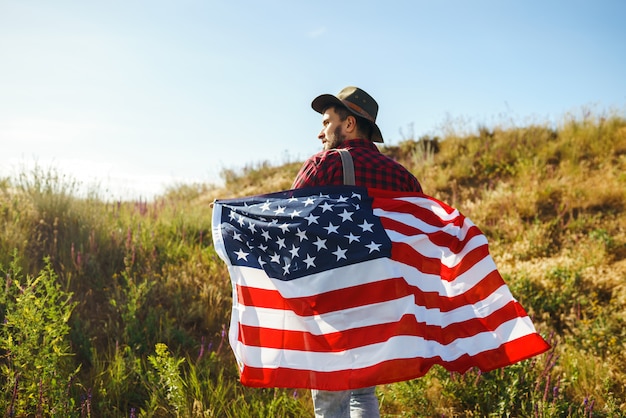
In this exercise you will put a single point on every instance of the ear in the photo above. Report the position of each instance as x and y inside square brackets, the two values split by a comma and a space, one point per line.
[350, 124]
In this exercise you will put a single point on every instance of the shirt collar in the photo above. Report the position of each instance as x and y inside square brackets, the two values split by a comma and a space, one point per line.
[358, 142]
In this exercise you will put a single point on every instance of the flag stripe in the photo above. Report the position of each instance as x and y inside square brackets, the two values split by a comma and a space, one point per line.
[406, 254]
[364, 316]
[376, 333]
[365, 294]
[399, 346]
[452, 243]
[420, 207]
[453, 227]
[365, 272]
[394, 370]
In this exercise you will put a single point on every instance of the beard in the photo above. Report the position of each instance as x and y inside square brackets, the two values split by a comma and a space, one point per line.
[335, 139]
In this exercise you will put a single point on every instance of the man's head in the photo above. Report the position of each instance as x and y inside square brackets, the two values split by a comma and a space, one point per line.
[350, 114]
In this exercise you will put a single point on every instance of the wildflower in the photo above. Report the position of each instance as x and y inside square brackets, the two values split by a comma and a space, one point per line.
[201, 353]
[223, 334]
[545, 393]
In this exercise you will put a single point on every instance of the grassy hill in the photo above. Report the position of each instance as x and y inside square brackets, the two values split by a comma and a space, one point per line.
[121, 309]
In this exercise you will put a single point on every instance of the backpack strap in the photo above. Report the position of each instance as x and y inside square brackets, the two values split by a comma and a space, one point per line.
[348, 166]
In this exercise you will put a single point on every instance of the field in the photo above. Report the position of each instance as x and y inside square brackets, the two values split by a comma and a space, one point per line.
[121, 309]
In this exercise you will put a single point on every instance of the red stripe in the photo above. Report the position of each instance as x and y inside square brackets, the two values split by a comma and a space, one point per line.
[439, 238]
[406, 254]
[331, 301]
[393, 370]
[349, 339]
[423, 213]
[366, 294]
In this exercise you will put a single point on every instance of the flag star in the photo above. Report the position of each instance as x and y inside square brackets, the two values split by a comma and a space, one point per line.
[312, 219]
[232, 215]
[280, 210]
[295, 213]
[353, 237]
[345, 216]
[240, 221]
[340, 253]
[326, 206]
[324, 196]
[251, 227]
[293, 199]
[237, 236]
[356, 206]
[309, 201]
[284, 227]
[373, 247]
[331, 228]
[294, 251]
[261, 262]
[266, 235]
[310, 261]
[356, 195]
[342, 199]
[265, 206]
[241, 254]
[281, 243]
[301, 235]
[320, 243]
[274, 222]
[263, 248]
[366, 226]
[286, 268]
[275, 258]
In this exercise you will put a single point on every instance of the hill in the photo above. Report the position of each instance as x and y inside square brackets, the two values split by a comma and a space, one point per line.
[122, 308]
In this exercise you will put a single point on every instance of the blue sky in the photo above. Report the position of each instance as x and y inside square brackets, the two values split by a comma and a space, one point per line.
[141, 95]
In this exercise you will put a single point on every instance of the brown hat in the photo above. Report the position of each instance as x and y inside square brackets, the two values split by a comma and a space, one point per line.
[356, 101]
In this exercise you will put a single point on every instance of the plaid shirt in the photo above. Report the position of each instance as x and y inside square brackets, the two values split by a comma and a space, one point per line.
[371, 169]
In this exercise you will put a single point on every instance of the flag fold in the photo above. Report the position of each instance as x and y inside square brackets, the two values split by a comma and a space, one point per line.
[345, 287]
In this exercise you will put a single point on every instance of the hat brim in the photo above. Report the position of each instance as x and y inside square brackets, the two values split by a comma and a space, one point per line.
[324, 101]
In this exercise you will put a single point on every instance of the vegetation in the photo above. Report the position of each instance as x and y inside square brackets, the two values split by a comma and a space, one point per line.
[122, 309]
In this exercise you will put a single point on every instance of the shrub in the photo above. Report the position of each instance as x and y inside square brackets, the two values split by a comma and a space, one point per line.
[37, 371]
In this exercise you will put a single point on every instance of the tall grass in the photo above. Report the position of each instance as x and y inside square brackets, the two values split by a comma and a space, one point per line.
[121, 309]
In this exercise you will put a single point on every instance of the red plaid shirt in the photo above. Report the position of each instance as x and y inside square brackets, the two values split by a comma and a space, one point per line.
[371, 169]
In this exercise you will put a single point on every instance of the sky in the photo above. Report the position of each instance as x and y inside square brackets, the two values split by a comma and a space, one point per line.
[135, 97]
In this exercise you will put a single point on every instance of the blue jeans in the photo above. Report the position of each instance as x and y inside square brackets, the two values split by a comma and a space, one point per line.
[358, 403]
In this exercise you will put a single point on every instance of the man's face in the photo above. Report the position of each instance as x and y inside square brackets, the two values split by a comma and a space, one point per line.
[332, 133]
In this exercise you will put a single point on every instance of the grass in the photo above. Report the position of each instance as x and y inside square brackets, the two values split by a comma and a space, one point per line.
[122, 309]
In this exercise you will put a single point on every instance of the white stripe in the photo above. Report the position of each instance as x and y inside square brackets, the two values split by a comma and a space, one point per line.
[367, 315]
[401, 347]
[415, 222]
[432, 205]
[370, 271]
[218, 239]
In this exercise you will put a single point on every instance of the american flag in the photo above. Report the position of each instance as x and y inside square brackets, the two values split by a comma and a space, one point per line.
[345, 287]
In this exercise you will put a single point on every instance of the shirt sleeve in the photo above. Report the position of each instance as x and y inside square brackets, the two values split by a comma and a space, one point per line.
[323, 169]
[306, 175]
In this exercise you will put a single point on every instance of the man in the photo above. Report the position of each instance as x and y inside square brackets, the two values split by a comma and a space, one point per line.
[349, 122]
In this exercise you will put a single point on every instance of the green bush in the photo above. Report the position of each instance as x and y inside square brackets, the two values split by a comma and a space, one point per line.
[37, 369]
